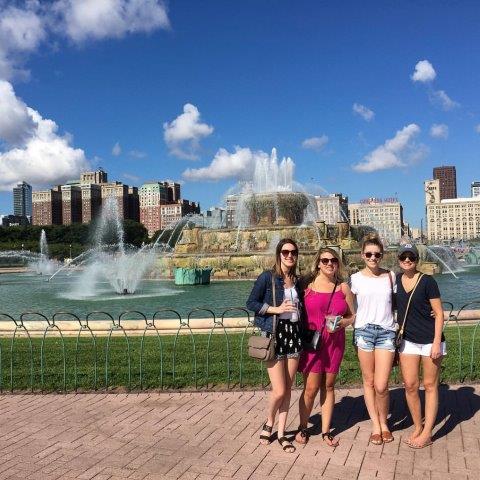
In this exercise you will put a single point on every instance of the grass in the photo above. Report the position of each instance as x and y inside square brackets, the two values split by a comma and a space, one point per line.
[456, 366]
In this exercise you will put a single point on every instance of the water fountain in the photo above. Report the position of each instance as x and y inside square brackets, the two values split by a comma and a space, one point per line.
[44, 265]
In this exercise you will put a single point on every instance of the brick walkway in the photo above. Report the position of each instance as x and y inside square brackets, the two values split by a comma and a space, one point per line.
[214, 435]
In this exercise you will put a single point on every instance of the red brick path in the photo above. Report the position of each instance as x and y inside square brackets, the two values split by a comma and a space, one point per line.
[149, 436]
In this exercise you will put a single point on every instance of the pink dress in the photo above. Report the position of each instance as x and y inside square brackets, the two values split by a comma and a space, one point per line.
[330, 355]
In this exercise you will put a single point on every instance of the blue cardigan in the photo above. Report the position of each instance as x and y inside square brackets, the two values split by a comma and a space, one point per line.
[261, 297]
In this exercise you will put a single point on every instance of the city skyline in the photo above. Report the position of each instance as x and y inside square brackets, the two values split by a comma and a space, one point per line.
[365, 104]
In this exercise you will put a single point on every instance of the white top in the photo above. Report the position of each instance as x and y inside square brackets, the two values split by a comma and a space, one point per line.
[374, 300]
[292, 295]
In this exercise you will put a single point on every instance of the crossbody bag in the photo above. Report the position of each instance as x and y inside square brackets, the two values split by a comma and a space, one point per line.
[260, 347]
[312, 339]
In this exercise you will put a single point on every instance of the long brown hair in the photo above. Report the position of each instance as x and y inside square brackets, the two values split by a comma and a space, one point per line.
[315, 271]
[277, 268]
[372, 239]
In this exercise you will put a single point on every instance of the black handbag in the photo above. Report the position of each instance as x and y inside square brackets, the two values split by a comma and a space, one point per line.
[260, 347]
[312, 339]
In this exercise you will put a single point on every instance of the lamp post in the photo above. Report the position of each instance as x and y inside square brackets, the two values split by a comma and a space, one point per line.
[70, 251]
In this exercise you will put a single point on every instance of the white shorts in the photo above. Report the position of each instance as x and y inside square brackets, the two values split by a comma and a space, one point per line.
[422, 349]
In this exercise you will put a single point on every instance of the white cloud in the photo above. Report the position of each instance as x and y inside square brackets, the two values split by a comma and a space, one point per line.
[132, 178]
[477, 128]
[183, 134]
[315, 143]
[27, 25]
[238, 165]
[363, 111]
[40, 156]
[442, 100]
[396, 152]
[424, 72]
[98, 19]
[439, 130]
[137, 154]
[116, 150]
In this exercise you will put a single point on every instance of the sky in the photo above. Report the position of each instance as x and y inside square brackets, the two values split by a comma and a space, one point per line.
[365, 97]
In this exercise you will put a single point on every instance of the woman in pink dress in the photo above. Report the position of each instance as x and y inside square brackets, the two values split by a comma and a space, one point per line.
[325, 295]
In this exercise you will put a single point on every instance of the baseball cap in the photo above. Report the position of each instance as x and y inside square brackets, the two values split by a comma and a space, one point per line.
[408, 247]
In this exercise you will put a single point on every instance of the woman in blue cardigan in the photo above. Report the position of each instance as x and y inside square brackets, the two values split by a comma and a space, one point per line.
[288, 345]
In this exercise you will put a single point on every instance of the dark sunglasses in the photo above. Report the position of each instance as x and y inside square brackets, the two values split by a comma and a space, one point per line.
[410, 256]
[373, 254]
[326, 261]
[286, 252]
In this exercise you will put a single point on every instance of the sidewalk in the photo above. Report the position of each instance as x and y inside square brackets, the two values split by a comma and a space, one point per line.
[151, 436]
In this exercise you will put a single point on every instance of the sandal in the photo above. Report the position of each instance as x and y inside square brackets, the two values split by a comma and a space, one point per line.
[333, 441]
[387, 436]
[286, 445]
[266, 438]
[303, 435]
[376, 439]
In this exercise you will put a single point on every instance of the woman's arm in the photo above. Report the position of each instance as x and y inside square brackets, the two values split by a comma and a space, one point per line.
[437, 308]
[349, 316]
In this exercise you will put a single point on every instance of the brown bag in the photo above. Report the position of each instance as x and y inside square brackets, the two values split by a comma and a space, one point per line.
[263, 348]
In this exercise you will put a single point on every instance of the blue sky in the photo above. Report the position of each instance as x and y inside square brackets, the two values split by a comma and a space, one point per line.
[257, 75]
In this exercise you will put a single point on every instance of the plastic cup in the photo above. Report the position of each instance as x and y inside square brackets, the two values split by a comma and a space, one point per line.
[332, 322]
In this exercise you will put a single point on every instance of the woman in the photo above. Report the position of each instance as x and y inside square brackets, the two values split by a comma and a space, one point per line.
[285, 309]
[374, 334]
[325, 295]
[423, 342]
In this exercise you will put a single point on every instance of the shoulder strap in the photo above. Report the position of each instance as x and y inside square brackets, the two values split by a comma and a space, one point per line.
[402, 327]
[331, 296]
[275, 318]
[393, 293]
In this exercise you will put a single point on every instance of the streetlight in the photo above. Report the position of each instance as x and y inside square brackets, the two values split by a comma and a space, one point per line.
[70, 251]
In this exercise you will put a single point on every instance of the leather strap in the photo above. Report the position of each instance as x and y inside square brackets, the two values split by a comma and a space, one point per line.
[275, 317]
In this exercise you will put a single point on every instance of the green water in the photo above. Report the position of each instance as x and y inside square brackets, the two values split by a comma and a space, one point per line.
[29, 292]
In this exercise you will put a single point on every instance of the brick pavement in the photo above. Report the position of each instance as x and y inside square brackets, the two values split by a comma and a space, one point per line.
[151, 436]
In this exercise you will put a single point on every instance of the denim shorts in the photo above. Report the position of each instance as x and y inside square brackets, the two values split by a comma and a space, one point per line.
[371, 336]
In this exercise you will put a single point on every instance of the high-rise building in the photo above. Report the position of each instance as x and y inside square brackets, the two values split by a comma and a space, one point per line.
[447, 175]
[152, 195]
[450, 219]
[332, 208]
[171, 213]
[385, 216]
[22, 200]
[97, 177]
[71, 204]
[47, 207]
[133, 204]
[91, 201]
[475, 189]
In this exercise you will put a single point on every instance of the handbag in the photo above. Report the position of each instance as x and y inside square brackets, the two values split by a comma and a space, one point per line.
[312, 339]
[399, 334]
[263, 348]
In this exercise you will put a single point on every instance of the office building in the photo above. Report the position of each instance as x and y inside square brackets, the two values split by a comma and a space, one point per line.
[448, 181]
[172, 213]
[475, 189]
[22, 200]
[71, 204]
[332, 208]
[152, 195]
[91, 201]
[450, 219]
[384, 215]
[97, 177]
[47, 206]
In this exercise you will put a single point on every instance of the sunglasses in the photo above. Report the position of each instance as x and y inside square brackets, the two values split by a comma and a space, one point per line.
[326, 261]
[286, 252]
[373, 254]
[410, 256]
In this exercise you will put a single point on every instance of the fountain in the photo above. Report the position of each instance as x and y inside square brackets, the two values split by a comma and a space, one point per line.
[44, 265]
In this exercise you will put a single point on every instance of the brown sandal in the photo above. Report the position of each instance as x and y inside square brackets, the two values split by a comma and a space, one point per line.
[376, 439]
[387, 437]
[333, 441]
[304, 435]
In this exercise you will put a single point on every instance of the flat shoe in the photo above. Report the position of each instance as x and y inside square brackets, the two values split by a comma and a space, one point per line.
[418, 446]
[376, 439]
[387, 437]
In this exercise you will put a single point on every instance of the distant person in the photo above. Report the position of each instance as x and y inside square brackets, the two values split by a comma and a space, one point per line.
[423, 342]
[374, 334]
[286, 308]
[328, 310]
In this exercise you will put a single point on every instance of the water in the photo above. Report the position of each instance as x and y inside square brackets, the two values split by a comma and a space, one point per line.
[23, 292]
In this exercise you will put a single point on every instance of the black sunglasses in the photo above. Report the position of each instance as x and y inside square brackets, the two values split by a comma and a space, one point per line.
[373, 254]
[286, 252]
[411, 256]
[326, 261]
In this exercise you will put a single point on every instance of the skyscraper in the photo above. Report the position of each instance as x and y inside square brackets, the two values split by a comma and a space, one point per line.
[448, 181]
[22, 200]
[475, 189]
